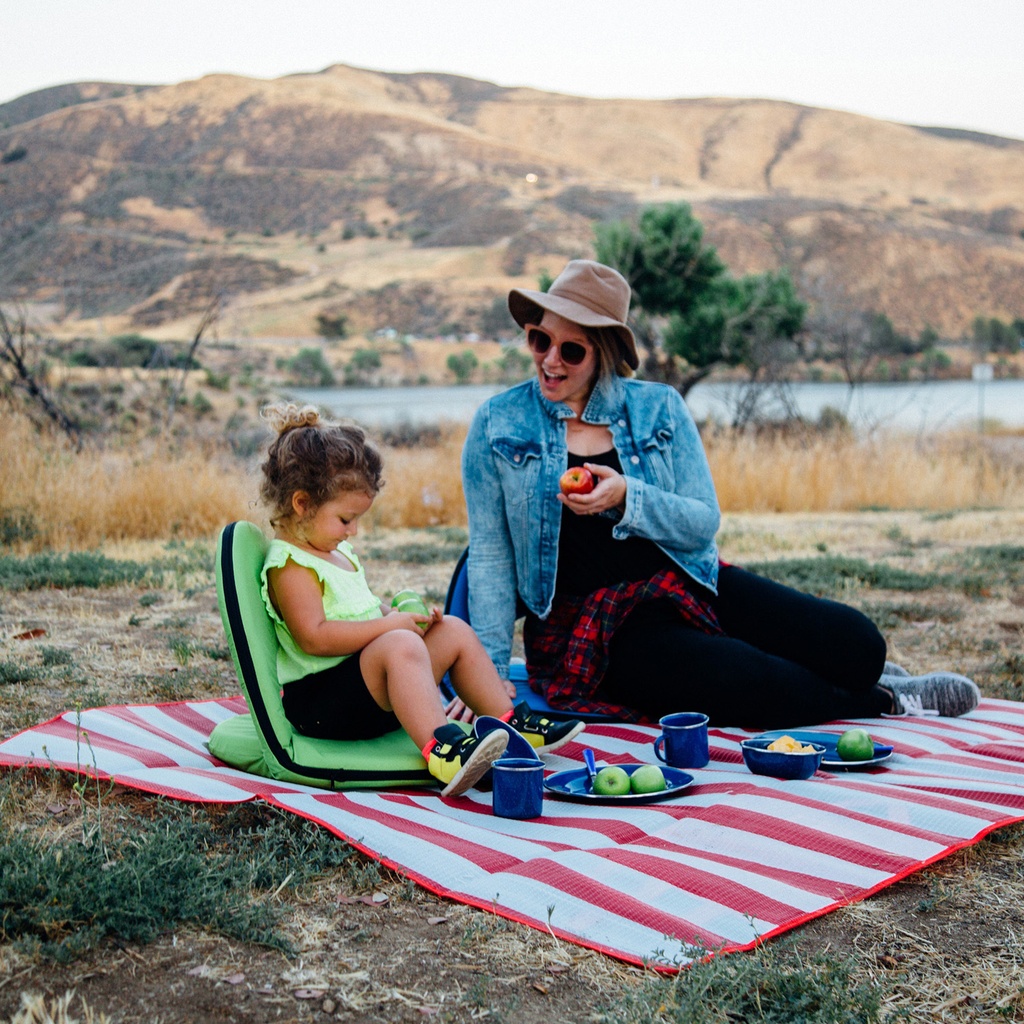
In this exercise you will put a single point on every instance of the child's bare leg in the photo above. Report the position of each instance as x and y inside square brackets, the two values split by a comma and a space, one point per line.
[456, 649]
[399, 674]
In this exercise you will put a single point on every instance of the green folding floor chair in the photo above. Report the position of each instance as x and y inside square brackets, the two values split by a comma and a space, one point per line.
[263, 742]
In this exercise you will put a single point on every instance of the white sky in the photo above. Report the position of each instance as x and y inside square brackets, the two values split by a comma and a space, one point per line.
[956, 63]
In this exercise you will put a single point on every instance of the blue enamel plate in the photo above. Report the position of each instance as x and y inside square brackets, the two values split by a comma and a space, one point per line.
[574, 784]
[828, 740]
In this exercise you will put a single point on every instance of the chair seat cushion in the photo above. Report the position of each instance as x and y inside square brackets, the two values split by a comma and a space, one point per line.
[388, 760]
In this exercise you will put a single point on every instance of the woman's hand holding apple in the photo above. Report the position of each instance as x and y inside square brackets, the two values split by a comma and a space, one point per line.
[609, 492]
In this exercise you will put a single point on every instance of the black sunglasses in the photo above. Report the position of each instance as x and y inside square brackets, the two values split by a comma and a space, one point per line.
[572, 353]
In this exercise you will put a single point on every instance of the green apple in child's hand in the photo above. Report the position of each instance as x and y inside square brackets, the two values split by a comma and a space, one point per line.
[855, 745]
[648, 778]
[611, 781]
[410, 601]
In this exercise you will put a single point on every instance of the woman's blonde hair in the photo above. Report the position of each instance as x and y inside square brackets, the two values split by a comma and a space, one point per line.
[316, 456]
[611, 360]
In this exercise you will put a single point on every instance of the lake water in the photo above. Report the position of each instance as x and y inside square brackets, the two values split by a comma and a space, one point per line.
[923, 407]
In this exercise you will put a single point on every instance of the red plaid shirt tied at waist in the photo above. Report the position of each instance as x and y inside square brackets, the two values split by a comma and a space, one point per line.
[567, 653]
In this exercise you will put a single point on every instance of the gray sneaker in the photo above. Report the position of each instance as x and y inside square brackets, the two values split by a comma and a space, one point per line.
[945, 692]
[909, 705]
[892, 669]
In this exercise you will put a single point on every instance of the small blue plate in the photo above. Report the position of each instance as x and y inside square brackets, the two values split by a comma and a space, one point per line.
[828, 740]
[574, 784]
[518, 745]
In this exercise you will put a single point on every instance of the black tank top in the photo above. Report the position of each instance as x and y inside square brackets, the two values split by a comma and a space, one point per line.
[588, 556]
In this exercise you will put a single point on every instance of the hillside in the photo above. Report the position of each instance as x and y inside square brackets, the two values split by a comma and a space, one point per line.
[413, 201]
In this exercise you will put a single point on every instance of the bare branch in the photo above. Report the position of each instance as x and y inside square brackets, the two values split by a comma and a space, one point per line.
[13, 349]
[210, 316]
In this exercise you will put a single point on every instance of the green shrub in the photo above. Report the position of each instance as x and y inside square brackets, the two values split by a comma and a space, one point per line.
[332, 325]
[419, 553]
[997, 563]
[16, 524]
[757, 986]
[75, 569]
[54, 656]
[15, 672]
[201, 405]
[462, 366]
[309, 368]
[61, 900]
[828, 575]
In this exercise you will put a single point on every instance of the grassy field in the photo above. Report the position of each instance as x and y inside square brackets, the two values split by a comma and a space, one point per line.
[151, 910]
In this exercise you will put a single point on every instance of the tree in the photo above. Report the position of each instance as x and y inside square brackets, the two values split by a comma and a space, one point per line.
[309, 368]
[462, 365]
[690, 314]
[17, 373]
[209, 317]
[663, 257]
[993, 335]
[332, 326]
[513, 366]
[362, 366]
[733, 319]
[496, 321]
[859, 340]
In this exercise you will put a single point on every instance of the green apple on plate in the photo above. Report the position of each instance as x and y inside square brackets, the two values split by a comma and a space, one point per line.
[648, 778]
[855, 745]
[611, 781]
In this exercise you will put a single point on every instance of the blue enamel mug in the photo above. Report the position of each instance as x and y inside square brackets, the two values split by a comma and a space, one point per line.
[683, 742]
[518, 787]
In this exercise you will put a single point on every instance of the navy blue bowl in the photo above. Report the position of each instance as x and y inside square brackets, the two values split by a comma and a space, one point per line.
[762, 761]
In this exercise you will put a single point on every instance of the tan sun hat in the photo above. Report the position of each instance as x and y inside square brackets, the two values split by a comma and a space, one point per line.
[587, 293]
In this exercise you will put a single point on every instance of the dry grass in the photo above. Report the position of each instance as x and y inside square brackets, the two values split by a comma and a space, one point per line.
[36, 1009]
[52, 498]
[423, 485]
[824, 473]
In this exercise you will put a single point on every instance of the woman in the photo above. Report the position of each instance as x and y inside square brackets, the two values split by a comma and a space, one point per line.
[628, 609]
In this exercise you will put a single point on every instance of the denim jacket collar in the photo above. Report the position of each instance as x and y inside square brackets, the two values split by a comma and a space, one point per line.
[605, 400]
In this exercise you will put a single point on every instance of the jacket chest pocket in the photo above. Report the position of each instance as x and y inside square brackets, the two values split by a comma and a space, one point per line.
[519, 467]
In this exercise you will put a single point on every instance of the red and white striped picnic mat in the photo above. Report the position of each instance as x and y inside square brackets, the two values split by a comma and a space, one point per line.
[734, 859]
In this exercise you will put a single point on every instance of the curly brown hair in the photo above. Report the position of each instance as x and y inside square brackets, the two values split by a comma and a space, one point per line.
[316, 456]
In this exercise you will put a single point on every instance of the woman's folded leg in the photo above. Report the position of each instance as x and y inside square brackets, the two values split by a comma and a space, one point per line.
[658, 665]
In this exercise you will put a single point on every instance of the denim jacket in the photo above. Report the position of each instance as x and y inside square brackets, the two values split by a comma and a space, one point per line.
[514, 454]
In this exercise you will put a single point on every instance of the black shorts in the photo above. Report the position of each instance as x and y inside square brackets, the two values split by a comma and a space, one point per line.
[336, 705]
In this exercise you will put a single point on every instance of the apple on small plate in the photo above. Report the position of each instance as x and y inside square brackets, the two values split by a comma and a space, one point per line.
[576, 784]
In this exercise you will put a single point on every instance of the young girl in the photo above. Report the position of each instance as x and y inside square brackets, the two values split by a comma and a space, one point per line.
[350, 666]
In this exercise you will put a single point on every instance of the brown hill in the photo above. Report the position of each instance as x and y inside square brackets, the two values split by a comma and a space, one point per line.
[413, 201]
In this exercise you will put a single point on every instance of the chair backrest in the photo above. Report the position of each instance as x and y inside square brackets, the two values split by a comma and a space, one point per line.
[457, 603]
[457, 600]
[241, 550]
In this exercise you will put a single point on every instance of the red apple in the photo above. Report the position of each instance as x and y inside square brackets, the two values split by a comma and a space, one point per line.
[576, 481]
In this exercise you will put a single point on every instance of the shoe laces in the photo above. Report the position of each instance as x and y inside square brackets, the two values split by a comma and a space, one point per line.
[911, 704]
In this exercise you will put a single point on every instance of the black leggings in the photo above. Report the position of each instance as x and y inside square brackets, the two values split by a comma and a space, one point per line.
[787, 659]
